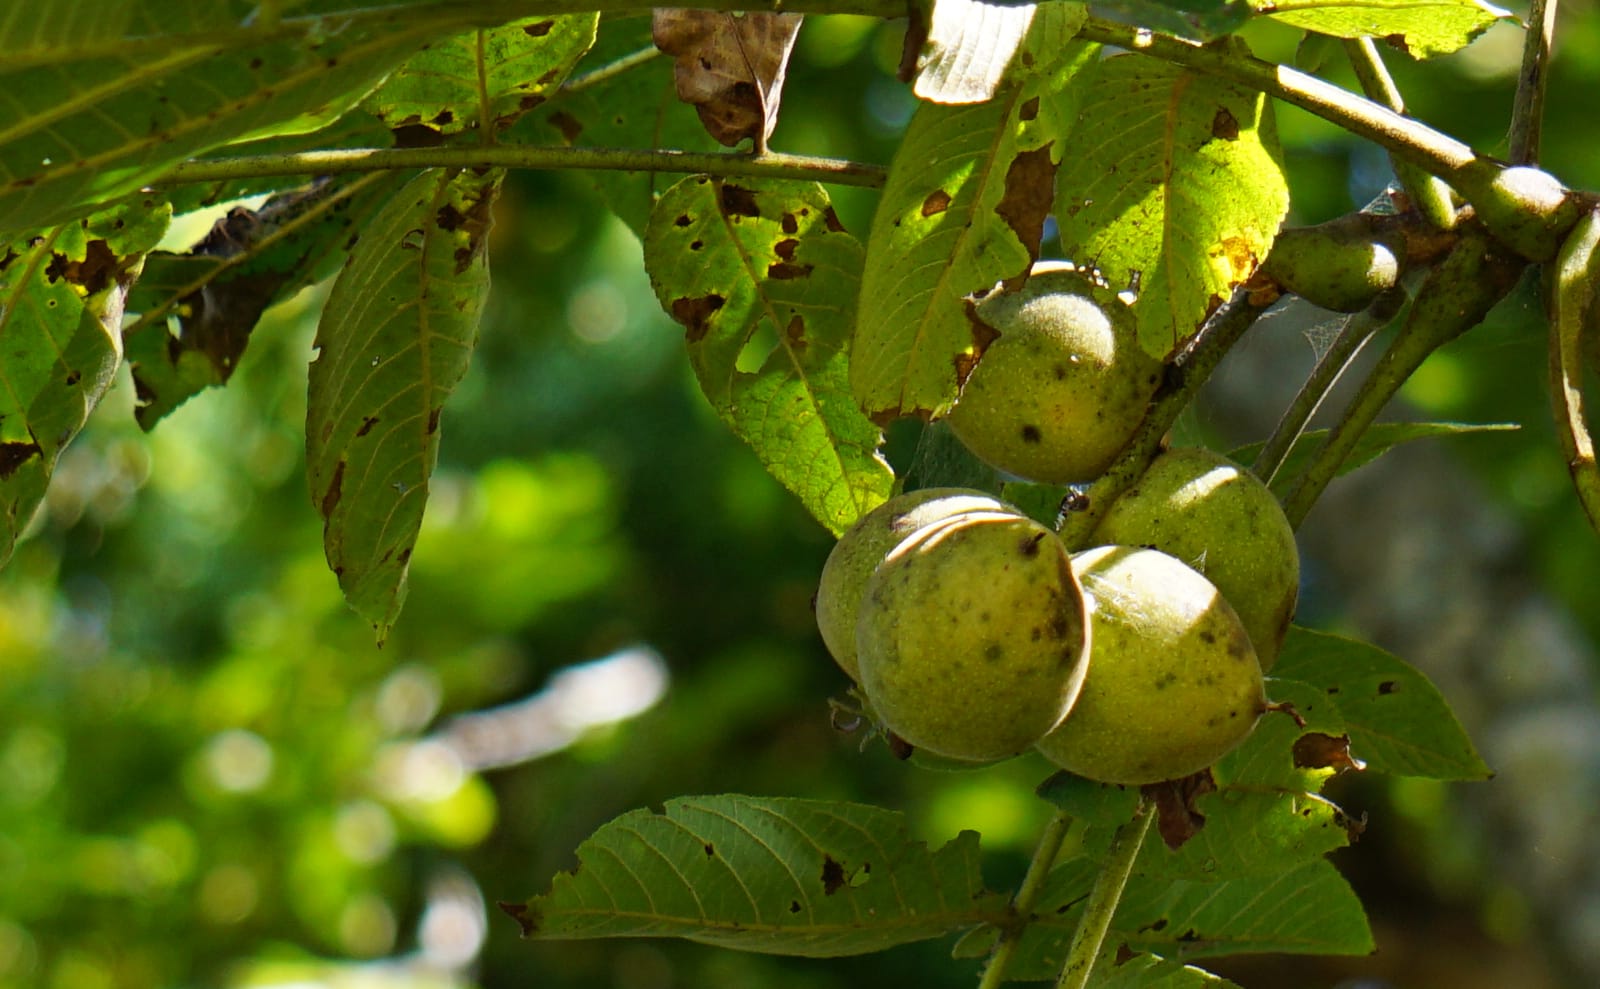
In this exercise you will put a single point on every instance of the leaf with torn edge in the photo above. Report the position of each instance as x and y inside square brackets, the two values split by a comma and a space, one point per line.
[395, 339]
[777, 875]
[763, 278]
[729, 67]
[61, 302]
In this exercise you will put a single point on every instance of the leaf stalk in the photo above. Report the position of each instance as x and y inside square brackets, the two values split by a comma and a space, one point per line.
[1090, 936]
[1044, 858]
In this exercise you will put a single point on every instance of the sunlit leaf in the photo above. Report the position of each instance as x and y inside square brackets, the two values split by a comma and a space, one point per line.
[1422, 28]
[61, 304]
[216, 292]
[776, 875]
[1396, 719]
[483, 79]
[395, 338]
[762, 277]
[971, 44]
[1374, 443]
[964, 208]
[1175, 185]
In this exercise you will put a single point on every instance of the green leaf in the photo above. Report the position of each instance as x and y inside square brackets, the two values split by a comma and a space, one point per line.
[622, 98]
[1421, 28]
[1396, 719]
[61, 304]
[486, 78]
[763, 278]
[1105, 804]
[963, 209]
[216, 292]
[1176, 185]
[78, 131]
[1375, 442]
[395, 338]
[1200, 20]
[1309, 909]
[1115, 970]
[776, 875]
[971, 44]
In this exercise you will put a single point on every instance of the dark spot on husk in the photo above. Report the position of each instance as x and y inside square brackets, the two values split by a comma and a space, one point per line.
[1030, 434]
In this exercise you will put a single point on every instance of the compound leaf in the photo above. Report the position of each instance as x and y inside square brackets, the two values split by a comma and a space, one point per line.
[775, 875]
[61, 303]
[1421, 28]
[1176, 187]
[395, 338]
[964, 208]
[763, 278]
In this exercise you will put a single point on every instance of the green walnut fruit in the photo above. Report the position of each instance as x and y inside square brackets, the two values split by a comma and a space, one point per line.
[1215, 516]
[1342, 265]
[863, 547]
[1058, 393]
[1173, 683]
[972, 638]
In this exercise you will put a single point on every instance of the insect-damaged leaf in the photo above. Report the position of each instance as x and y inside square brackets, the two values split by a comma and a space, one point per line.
[762, 276]
[776, 875]
[484, 78]
[963, 209]
[217, 291]
[1421, 28]
[1176, 185]
[61, 304]
[395, 338]
[729, 67]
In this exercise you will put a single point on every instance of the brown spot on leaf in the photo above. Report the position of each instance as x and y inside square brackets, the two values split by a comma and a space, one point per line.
[694, 314]
[13, 455]
[1029, 110]
[538, 30]
[833, 875]
[785, 248]
[937, 202]
[830, 219]
[1315, 750]
[330, 497]
[1030, 193]
[710, 849]
[794, 906]
[1387, 687]
[1179, 818]
[567, 124]
[450, 218]
[789, 224]
[91, 274]
[795, 332]
[416, 135]
[736, 200]
[73, 377]
[783, 270]
[366, 425]
[433, 421]
[1224, 126]
[525, 916]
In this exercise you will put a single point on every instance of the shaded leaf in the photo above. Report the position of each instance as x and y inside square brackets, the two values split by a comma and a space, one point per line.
[729, 67]
[1420, 28]
[1177, 187]
[1105, 804]
[395, 338]
[1200, 20]
[85, 130]
[762, 277]
[970, 45]
[777, 875]
[963, 209]
[1121, 968]
[483, 78]
[1396, 719]
[217, 291]
[621, 98]
[1374, 442]
[61, 304]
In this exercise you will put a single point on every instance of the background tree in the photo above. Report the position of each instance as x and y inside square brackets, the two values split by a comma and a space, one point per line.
[216, 777]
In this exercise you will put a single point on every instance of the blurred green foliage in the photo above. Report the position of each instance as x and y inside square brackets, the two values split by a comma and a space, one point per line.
[210, 776]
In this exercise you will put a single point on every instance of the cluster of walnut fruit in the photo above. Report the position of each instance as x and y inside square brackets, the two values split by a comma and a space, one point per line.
[973, 632]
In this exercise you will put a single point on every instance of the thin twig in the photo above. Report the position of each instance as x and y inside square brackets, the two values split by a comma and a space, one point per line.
[1527, 112]
[610, 70]
[1090, 936]
[1044, 857]
[1357, 330]
[770, 165]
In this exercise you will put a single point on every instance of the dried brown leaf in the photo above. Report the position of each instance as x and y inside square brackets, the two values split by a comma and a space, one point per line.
[729, 67]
